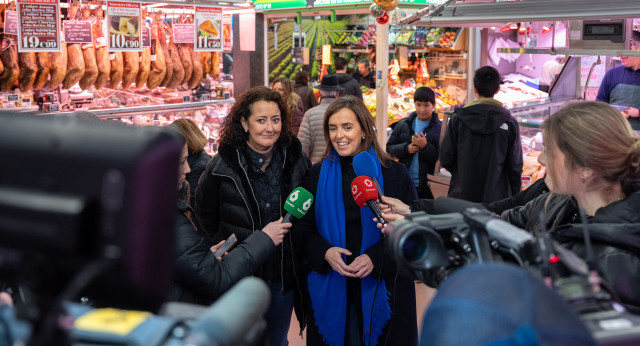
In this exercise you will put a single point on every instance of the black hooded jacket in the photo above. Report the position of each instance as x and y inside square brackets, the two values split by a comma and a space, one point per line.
[614, 231]
[350, 85]
[481, 148]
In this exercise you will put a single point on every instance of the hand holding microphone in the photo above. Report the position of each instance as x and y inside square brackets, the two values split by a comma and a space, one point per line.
[297, 205]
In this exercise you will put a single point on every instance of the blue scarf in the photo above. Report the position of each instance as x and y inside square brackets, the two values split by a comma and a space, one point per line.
[329, 292]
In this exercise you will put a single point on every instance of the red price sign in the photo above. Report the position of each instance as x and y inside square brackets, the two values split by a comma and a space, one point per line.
[38, 26]
[124, 24]
[208, 28]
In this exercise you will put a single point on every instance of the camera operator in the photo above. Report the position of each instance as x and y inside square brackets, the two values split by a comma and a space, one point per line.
[592, 159]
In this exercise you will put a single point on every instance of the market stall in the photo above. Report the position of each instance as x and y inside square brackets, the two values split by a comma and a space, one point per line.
[138, 62]
[519, 39]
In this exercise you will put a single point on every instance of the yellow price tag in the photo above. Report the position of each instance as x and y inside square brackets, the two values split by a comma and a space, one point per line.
[111, 321]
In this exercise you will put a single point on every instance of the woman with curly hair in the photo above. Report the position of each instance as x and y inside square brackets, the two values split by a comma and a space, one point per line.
[292, 101]
[243, 189]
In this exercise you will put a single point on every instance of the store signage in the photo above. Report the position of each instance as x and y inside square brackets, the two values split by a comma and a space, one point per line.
[208, 29]
[77, 31]
[227, 32]
[10, 22]
[38, 26]
[265, 5]
[183, 33]
[124, 22]
[146, 37]
[326, 54]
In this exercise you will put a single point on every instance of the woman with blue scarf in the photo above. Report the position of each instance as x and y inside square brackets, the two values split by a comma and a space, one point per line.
[355, 295]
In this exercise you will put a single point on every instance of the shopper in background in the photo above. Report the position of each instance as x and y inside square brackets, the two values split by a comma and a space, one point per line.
[481, 147]
[302, 89]
[311, 133]
[291, 100]
[244, 187]
[198, 158]
[550, 70]
[415, 140]
[350, 85]
[350, 275]
[198, 276]
[364, 75]
[621, 85]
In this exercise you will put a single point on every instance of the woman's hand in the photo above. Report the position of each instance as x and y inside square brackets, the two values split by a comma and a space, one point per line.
[216, 247]
[276, 230]
[362, 266]
[334, 257]
[389, 218]
[393, 206]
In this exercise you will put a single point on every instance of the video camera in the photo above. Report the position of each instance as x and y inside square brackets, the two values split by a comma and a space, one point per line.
[431, 247]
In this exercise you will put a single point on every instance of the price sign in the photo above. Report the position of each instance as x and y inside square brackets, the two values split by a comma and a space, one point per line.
[10, 22]
[183, 33]
[227, 32]
[146, 37]
[186, 98]
[124, 22]
[208, 29]
[77, 31]
[38, 26]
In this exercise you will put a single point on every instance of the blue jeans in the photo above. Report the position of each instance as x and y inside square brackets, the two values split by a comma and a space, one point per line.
[279, 316]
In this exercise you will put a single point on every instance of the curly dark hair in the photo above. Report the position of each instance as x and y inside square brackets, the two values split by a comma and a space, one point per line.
[232, 132]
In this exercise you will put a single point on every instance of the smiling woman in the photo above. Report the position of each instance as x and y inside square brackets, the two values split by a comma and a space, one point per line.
[259, 162]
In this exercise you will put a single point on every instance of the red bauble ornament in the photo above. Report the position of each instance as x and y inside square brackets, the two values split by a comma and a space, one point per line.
[384, 19]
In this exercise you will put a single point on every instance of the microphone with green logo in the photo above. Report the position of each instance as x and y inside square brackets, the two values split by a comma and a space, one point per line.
[297, 204]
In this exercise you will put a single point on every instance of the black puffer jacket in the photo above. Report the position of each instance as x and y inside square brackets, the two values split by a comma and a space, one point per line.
[198, 277]
[398, 146]
[226, 202]
[615, 235]
[481, 148]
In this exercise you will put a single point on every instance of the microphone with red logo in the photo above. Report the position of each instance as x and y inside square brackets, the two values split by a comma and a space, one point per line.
[365, 194]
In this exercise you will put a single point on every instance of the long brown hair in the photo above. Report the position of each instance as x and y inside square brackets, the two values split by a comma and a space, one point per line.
[365, 120]
[232, 132]
[596, 136]
[195, 138]
[290, 98]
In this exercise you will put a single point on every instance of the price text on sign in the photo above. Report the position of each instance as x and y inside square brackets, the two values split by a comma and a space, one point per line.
[146, 37]
[208, 29]
[183, 33]
[124, 26]
[38, 26]
[77, 31]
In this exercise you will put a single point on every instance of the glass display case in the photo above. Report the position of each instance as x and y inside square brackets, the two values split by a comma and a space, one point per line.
[209, 116]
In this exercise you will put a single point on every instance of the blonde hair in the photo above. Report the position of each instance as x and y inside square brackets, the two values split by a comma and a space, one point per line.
[596, 136]
[194, 136]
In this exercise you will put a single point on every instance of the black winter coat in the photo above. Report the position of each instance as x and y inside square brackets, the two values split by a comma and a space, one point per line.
[481, 148]
[226, 202]
[350, 85]
[615, 235]
[313, 247]
[198, 277]
[198, 163]
[398, 146]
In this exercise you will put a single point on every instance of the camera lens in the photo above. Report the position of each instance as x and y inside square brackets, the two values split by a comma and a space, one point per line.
[413, 247]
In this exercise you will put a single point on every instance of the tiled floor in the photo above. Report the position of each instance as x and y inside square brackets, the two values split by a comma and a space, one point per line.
[424, 294]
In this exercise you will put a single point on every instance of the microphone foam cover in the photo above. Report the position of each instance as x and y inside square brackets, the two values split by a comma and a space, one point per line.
[363, 190]
[298, 202]
[365, 164]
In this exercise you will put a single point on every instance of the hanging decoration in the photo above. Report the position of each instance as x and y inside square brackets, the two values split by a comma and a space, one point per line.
[384, 19]
[390, 6]
[376, 11]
